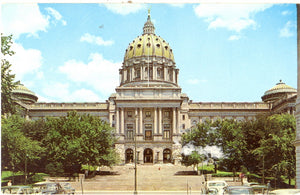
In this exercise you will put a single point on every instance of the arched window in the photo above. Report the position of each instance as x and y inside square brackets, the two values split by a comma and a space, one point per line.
[129, 155]
[167, 156]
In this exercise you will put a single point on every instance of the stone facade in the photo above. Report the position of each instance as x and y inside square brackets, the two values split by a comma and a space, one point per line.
[148, 110]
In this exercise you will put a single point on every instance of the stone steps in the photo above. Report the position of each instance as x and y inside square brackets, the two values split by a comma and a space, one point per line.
[149, 178]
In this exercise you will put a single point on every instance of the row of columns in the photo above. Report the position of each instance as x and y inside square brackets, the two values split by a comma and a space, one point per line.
[157, 120]
[144, 74]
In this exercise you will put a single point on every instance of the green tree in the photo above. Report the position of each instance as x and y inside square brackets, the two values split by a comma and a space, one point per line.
[7, 79]
[232, 142]
[77, 140]
[279, 134]
[17, 150]
[194, 159]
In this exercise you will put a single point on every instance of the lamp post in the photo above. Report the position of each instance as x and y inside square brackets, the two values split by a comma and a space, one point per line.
[26, 156]
[135, 159]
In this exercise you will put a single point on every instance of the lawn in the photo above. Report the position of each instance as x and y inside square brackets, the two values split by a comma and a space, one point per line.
[19, 178]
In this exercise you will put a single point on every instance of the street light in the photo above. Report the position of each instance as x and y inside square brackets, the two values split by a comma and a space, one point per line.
[26, 168]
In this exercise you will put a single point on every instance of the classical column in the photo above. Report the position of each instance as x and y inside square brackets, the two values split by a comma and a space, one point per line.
[159, 121]
[173, 74]
[178, 121]
[124, 75]
[165, 73]
[122, 120]
[141, 121]
[110, 119]
[155, 120]
[142, 72]
[136, 120]
[174, 121]
[117, 120]
[154, 72]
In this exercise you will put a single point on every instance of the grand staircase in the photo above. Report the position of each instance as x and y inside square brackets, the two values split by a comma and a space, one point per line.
[165, 177]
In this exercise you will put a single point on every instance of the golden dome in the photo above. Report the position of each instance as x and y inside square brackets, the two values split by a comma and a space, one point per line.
[24, 94]
[148, 44]
[277, 91]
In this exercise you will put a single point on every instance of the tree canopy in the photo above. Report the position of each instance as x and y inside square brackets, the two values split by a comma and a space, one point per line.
[251, 143]
[57, 145]
[7, 78]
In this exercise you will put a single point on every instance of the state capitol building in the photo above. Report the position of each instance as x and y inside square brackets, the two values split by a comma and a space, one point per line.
[149, 104]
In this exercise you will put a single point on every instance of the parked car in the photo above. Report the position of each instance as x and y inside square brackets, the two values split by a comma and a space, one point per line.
[259, 189]
[48, 188]
[219, 185]
[16, 190]
[67, 187]
[285, 191]
[238, 190]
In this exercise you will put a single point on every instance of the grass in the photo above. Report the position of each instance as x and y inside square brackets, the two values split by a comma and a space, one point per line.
[18, 178]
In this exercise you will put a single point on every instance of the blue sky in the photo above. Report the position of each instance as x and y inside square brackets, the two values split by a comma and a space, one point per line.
[225, 52]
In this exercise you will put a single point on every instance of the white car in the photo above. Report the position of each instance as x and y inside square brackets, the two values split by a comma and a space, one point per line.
[219, 185]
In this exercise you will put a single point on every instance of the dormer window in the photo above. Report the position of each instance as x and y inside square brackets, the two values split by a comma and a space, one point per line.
[139, 45]
[158, 45]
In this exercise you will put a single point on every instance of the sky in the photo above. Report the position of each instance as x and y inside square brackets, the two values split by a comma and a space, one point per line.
[67, 52]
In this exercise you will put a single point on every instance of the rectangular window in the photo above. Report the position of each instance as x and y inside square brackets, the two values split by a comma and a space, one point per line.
[167, 114]
[166, 134]
[129, 114]
[183, 126]
[129, 134]
[148, 114]
[129, 131]
[148, 134]
[183, 117]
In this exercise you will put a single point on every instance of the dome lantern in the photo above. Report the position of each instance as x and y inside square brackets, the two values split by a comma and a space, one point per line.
[148, 26]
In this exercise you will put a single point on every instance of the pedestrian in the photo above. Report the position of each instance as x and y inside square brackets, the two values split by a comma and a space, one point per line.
[9, 183]
[242, 175]
[268, 187]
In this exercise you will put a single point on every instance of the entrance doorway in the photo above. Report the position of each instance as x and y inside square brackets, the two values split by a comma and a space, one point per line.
[129, 155]
[167, 156]
[148, 156]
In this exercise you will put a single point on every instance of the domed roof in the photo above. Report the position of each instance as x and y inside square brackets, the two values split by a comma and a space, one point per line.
[24, 94]
[277, 91]
[148, 44]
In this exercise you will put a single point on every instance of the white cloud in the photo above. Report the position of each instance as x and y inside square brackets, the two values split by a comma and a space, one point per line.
[61, 92]
[95, 40]
[124, 8]
[58, 91]
[234, 17]
[25, 61]
[17, 19]
[99, 73]
[234, 37]
[57, 16]
[285, 13]
[85, 95]
[288, 30]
